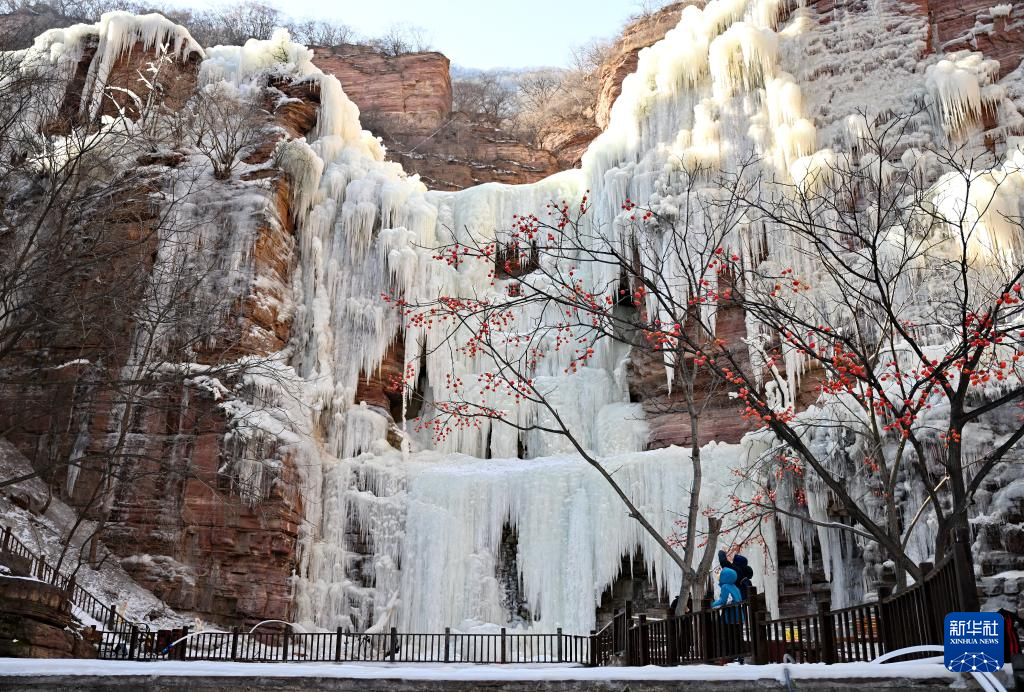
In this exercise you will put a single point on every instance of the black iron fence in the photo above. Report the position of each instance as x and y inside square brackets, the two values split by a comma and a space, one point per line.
[863, 632]
[340, 646]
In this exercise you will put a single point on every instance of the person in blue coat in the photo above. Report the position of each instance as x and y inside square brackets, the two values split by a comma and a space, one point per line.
[730, 626]
[730, 594]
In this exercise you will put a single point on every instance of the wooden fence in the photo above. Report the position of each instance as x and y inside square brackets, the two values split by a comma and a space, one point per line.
[744, 631]
[859, 633]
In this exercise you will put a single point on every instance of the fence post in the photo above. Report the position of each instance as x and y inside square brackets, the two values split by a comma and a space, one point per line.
[645, 651]
[234, 643]
[394, 644]
[828, 632]
[592, 654]
[111, 617]
[931, 629]
[558, 644]
[7, 539]
[672, 640]
[285, 641]
[759, 629]
[133, 642]
[503, 642]
[337, 644]
[704, 647]
[447, 643]
[183, 645]
[884, 624]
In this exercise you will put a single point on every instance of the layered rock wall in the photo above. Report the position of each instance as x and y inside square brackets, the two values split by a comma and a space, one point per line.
[181, 526]
[36, 622]
[406, 100]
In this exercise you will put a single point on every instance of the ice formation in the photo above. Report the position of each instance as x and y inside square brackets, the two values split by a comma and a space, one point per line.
[116, 33]
[426, 522]
[961, 88]
[722, 84]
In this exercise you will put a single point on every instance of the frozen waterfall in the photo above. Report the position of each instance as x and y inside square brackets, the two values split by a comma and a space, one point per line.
[423, 526]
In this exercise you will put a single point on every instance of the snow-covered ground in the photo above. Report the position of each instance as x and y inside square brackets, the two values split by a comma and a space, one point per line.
[841, 671]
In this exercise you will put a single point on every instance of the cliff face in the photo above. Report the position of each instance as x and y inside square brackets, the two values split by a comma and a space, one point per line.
[623, 56]
[409, 94]
[976, 25]
[181, 527]
[406, 100]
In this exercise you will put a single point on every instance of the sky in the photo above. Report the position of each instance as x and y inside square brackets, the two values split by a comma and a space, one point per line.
[481, 34]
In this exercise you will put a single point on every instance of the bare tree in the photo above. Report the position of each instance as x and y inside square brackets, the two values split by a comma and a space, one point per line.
[486, 98]
[224, 124]
[235, 24]
[401, 38]
[320, 32]
[900, 292]
[896, 294]
[540, 261]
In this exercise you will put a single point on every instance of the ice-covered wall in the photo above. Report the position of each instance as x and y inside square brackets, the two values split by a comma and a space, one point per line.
[730, 81]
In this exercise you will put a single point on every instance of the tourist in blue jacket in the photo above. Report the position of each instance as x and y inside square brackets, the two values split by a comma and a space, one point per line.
[730, 626]
[730, 594]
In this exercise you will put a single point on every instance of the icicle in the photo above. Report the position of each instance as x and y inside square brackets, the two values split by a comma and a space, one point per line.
[742, 58]
[118, 33]
[955, 86]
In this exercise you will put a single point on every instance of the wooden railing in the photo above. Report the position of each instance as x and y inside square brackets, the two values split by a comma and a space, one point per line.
[859, 633]
[916, 615]
[863, 632]
[855, 633]
[710, 635]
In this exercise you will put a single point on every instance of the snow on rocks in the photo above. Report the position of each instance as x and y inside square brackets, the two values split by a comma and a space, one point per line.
[958, 86]
[44, 535]
[116, 34]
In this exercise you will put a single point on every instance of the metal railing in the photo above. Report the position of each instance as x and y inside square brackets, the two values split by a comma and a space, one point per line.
[341, 646]
[80, 598]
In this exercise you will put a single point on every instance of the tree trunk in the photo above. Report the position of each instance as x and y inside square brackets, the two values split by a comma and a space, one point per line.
[704, 569]
[959, 524]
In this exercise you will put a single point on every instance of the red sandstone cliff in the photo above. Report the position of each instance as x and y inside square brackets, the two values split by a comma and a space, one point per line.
[970, 25]
[406, 100]
[182, 528]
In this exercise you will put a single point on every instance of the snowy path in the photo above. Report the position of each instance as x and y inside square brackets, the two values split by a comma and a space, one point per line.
[842, 671]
